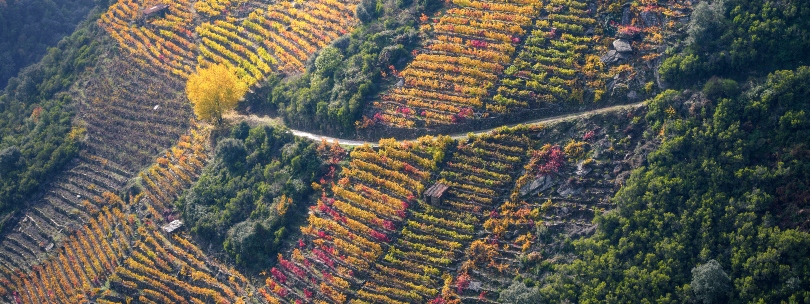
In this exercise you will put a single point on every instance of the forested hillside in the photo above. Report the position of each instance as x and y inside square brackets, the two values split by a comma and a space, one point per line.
[29, 27]
[38, 136]
[242, 202]
[718, 213]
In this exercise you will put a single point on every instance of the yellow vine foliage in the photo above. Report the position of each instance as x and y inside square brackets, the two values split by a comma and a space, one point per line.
[214, 90]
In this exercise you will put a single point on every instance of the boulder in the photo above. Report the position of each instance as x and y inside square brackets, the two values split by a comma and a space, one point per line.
[583, 169]
[540, 184]
[622, 46]
[613, 56]
[568, 190]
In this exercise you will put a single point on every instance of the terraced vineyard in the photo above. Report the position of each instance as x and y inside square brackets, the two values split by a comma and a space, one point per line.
[278, 39]
[490, 59]
[174, 172]
[559, 62]
[419, 265]
[373, 235]
[374, 239]
[172, 270]
[257, 40]
[166, 45]
[77, 269]
[128, 115]
[139, 263]
[563, 186]
[127, 249]
[126, 118]
[451, 79]
[352, 225]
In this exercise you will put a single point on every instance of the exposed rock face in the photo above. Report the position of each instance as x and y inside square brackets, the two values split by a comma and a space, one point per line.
[649, 18]
[540, 184]
[583, 169]
[626, 17]
[622, 46]
[613, 57]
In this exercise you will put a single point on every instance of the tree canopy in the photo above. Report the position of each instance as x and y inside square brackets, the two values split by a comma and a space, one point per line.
[240, 202]
[723, 196]
[215, 90]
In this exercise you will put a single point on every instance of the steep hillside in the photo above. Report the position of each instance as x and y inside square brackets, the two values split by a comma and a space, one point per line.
[38, 134]
[116, 186]
[371, 238]
[719, 212]
[126, 118]
[29, 27]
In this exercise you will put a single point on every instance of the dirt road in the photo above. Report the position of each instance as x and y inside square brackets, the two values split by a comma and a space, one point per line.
[350, 142]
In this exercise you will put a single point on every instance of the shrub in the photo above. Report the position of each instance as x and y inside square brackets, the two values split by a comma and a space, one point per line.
[710, 283]
[518, 293]
[720, 88]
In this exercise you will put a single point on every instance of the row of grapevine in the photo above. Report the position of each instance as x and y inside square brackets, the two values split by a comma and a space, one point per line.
[491, 261]
[213, 9]
[77, 270]
[278, 39]
[419, 265]
[564, 185]
[174, 172]
[164, 44]
[355, 221]
[469, 68]
[121, 131]
[559, 60]
[452, 77]
[164, 269]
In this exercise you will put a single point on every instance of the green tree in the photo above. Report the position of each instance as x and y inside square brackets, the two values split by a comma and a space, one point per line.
[518, 293]
[328, 60]
[244, 200]
[728, 182]
[710, 283]
[707, 23]
[232, 151]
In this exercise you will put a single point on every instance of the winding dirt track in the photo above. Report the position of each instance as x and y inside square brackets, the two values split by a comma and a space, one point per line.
[351, 142]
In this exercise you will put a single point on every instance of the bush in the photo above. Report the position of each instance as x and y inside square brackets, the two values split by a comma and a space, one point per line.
[328, 60]
[717, 88]
[231, 151]
[710, 283]
[706, 25]
[518, 293]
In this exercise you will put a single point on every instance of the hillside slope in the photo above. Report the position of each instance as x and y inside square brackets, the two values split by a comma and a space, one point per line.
[113, 192]
[29, 27]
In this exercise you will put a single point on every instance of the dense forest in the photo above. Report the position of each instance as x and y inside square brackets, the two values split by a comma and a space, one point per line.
[716, 214]
[28, 28]
[242, 202]
[740, 39]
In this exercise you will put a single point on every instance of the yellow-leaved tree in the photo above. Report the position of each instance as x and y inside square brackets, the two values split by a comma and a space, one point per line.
[213, 91]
